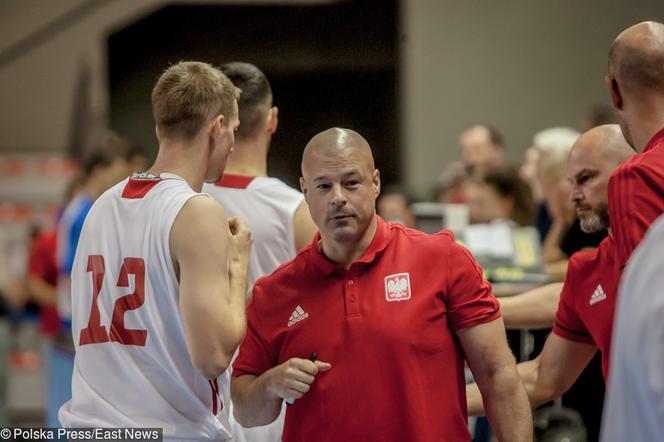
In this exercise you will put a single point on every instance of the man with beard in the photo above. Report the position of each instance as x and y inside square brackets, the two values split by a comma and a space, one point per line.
[389, 312]
[584, 318]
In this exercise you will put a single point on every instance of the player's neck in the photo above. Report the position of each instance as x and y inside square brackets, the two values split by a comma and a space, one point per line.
[249, 157]
[347, 252]
[189, 163]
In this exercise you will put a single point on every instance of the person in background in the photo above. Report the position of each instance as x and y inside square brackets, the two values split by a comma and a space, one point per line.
[393, 205]
[482, 147]
[551, 145]
[275, 213]
[636, 199]
[597, 115]
[499, 195]
[137, 159]
[584, 318]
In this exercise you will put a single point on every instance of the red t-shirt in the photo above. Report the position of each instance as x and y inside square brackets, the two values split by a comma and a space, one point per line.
[387, 327]
[42, 264]
[636, 197]
[588, 300]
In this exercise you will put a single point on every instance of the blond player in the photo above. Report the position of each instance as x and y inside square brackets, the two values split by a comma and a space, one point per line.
[158, 282]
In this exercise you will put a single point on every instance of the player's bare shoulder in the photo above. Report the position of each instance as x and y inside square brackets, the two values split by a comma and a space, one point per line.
[200, 224]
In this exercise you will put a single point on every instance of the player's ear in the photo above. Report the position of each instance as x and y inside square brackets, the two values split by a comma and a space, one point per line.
[272, 119]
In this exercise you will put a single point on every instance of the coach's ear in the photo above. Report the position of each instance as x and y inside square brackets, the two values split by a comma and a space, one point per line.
[375, 179]
[614, 92]
[303, 186]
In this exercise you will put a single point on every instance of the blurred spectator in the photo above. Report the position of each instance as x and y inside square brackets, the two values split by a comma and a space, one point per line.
[482, 147]
[528, 172]
[394, 205]
[137, 159]
[500, 195]
[597, 115]
[555, 144]
[451, 184]
[43, 269]
[42, 280]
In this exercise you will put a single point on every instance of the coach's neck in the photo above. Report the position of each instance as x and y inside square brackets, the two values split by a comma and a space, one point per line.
[345, 251]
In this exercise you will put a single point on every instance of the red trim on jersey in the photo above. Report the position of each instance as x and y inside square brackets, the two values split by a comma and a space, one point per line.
[138, 188]
[234, 181]
[214, 398]
[215, 395]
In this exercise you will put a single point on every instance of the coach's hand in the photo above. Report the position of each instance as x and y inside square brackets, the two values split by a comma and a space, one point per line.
[293, 378]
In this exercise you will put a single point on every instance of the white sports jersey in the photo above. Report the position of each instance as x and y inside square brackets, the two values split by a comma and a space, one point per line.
[634, 407]
[267, 205]
[132, 366]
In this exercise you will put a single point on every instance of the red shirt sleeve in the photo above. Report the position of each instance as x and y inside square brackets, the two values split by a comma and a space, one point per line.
[469, 298]
[633, 205]
[41, 262]
[568, 324]
[255, 356]
[36, 261]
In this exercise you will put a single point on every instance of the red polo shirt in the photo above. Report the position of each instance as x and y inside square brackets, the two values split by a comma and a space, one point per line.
[588, 300]
[636, 197]
[387, 327]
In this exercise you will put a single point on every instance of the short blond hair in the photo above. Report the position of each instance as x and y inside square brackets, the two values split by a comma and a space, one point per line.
[188, 95]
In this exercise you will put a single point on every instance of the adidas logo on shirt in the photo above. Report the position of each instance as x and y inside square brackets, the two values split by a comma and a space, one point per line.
[297, 316]
[598, 296]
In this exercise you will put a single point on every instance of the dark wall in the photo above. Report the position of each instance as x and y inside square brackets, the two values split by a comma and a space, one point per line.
[330, 65]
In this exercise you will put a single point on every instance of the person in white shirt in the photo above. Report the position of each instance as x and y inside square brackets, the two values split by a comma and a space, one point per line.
[159, 278]
[276, 214]
[635, 405]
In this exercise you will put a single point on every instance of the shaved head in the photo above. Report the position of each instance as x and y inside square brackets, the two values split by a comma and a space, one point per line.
[606, 144]
[336, 142]
[636, 58]
[592, 160]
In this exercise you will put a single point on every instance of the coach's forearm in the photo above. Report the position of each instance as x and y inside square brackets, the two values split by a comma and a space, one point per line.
[253, 404]
[507, 406]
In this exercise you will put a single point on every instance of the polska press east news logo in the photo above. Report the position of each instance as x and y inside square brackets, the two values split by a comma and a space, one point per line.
[68, 434]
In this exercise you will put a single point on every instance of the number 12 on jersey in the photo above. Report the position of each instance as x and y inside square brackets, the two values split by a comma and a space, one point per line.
[95, 333]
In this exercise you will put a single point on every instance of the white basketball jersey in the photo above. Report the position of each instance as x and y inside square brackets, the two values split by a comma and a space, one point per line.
[132, 366]
[267, 205]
